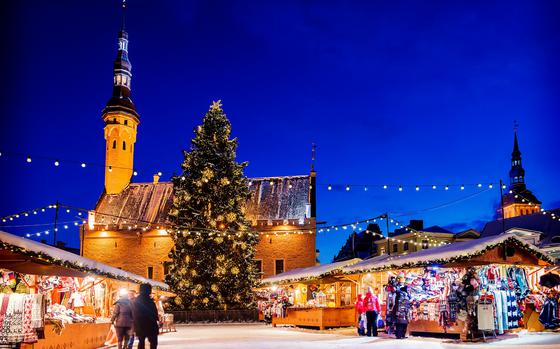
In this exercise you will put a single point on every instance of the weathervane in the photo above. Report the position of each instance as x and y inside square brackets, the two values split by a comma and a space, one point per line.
[515, 125]
[313, 146]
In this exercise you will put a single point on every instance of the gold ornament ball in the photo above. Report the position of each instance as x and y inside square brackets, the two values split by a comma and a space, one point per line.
[205, 300]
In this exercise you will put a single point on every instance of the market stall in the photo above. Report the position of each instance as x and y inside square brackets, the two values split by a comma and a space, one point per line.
[462, 290]
[309, 297]
[51, 298]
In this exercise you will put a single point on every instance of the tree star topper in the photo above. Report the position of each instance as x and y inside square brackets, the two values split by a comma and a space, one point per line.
[216, 105]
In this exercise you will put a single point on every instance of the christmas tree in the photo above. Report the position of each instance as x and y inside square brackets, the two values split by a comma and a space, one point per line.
[212, 261]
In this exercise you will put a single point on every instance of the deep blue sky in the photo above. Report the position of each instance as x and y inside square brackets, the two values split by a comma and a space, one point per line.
[391, 91]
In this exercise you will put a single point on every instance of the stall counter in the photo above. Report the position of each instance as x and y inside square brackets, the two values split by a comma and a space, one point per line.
[77, 335]
[318, 317]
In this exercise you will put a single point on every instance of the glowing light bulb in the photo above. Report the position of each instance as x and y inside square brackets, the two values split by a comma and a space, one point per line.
[347, 188]
[462, 187]
[446, 187]
[417, 188]
[490, 186]
[385, 187]
[400, 188]
[329, 187]
[135, 173]
[479, 185]
[56, 163]
[83, 165]
[434, 187]
[28, 159]
[159, 174]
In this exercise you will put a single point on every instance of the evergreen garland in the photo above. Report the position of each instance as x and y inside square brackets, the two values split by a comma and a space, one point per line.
[212, 271]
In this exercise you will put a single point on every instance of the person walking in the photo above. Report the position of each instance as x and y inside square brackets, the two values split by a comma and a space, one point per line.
[122, 319]
[372, 308]
[145, 318]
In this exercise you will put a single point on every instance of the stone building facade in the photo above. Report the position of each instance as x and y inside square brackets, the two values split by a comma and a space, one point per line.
[127, 228]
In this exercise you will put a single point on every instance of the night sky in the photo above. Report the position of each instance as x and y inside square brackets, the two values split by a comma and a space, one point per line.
[392, 92]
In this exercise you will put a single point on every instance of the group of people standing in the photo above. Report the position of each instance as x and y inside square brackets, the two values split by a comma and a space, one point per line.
[136, 316]
[368, 310]
[397, 313]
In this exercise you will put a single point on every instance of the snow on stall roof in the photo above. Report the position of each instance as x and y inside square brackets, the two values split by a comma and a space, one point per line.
[313, 272]
[91, 265]
[437, 255]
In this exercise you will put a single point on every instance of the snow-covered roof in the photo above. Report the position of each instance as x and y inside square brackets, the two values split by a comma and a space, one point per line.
[309, 273]
[441, 255]
[56, 256]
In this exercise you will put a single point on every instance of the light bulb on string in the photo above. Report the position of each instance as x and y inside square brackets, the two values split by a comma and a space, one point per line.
[446, 187]
[56, 163]
[434, 187]
[329, 187]
[417, 188]
[347, 188]
[479, 185]
[110, 169]
[462, 187]
[385, 186]
[490, 186]
[135, 173]
[365, 188]
[400, 188]
[28, 159]
[83, 164]
[503, 186]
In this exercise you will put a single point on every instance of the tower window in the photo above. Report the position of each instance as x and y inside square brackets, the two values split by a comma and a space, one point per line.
[126, 122]
[123, 145]
[115, 144]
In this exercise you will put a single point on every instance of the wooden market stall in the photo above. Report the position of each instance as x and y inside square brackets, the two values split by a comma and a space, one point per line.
[311, 297]
[73, 295]
[436, 279]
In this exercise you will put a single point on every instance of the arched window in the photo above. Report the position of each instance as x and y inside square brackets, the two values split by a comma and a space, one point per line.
[123, 145]
[115, 144]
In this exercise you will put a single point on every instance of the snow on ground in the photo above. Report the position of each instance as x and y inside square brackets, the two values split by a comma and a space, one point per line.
[260, 336]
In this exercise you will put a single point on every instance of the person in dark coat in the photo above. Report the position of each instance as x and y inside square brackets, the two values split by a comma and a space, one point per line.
[145, 318]
[122, 319]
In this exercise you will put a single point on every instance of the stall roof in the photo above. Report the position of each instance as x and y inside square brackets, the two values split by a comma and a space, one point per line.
[455, 252]
[32, 257]
[309, 273]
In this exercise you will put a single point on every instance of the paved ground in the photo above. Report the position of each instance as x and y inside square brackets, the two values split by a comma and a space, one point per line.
[257, 336]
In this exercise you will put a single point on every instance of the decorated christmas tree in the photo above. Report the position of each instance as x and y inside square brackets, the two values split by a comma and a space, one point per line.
[212, 261]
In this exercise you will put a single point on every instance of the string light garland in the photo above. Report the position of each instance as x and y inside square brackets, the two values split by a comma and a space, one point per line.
[27, 213]
[57, 161]
[530, 203]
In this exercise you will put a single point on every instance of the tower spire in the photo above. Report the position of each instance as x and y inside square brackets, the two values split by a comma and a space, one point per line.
[517, 173]
[121, 120]
[123, 15]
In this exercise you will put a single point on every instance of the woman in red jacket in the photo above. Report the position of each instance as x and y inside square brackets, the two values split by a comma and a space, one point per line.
[372, 308]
